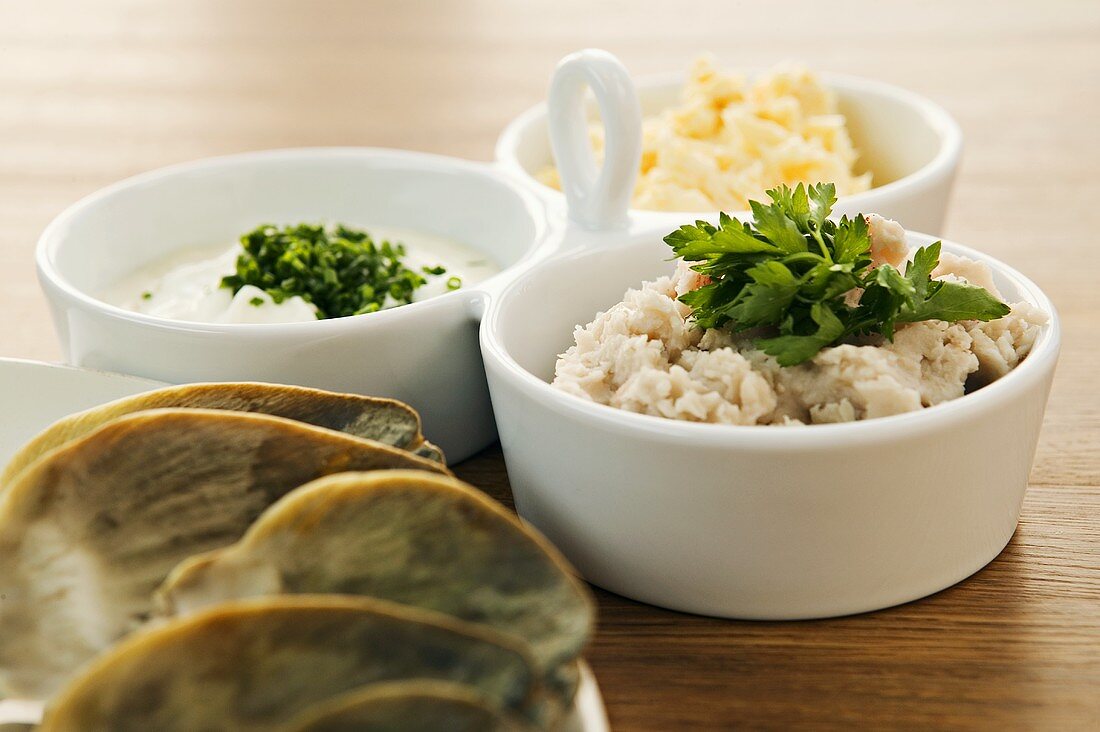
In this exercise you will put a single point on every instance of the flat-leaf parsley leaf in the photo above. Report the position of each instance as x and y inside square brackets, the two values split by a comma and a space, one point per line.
[789, 270]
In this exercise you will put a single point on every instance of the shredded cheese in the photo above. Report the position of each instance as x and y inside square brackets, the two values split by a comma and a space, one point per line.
[730, 140]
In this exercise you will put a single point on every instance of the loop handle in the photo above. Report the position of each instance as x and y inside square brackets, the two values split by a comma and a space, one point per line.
[597, 198]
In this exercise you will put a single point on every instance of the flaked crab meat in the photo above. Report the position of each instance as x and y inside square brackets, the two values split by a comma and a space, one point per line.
[646, 355]
[887, 241]
[952, 266]
[1001, 344]
[685, 279]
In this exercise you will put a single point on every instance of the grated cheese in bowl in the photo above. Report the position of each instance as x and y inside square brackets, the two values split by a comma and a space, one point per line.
[729, 140]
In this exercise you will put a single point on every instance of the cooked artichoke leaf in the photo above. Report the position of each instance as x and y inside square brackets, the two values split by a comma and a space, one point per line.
[421, 705]
[384, 420]
[423, 540]
[88, 532]
[254, 665]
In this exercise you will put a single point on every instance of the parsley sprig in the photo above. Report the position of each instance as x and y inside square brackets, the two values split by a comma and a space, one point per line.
[789, 269]
[341, 271]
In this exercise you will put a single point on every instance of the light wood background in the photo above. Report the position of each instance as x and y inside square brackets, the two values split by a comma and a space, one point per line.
[91, 92]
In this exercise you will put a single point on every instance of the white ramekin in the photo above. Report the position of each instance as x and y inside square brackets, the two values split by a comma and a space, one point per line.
[754, 522]
[425, 353]
[911, 145]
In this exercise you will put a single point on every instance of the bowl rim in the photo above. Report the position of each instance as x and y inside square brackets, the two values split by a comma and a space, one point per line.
[1025, 376]
[53, 236]
[936, 118]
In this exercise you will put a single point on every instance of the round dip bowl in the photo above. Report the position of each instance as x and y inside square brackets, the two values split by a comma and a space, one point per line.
[911, 145]
[424, 353]
[760, 522]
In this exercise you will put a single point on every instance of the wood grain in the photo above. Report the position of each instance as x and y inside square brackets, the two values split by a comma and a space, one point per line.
[93, 92]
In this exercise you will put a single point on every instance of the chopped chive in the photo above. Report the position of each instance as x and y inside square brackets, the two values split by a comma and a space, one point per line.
[341, 271]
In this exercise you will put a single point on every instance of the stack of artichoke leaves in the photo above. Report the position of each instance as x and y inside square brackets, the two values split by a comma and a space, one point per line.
[260, 557]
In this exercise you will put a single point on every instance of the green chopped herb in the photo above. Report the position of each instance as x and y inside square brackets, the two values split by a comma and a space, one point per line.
[788, 271]
[341, 271]
[146, 295]
[256, 302]
[454, 283]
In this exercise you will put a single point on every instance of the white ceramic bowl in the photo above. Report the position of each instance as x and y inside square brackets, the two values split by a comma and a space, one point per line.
[424, 353]
[754, 522]
[911, 145]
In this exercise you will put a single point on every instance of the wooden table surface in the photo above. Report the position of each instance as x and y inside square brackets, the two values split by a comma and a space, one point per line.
[93, 92]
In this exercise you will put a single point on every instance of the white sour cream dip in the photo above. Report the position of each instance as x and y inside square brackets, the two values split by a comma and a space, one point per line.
[186, 285]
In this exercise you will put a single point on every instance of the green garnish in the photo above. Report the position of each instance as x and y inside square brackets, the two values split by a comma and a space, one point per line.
[788, 272]
[256, 302]
[341, 271]
[453, 283]
[147, 295]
